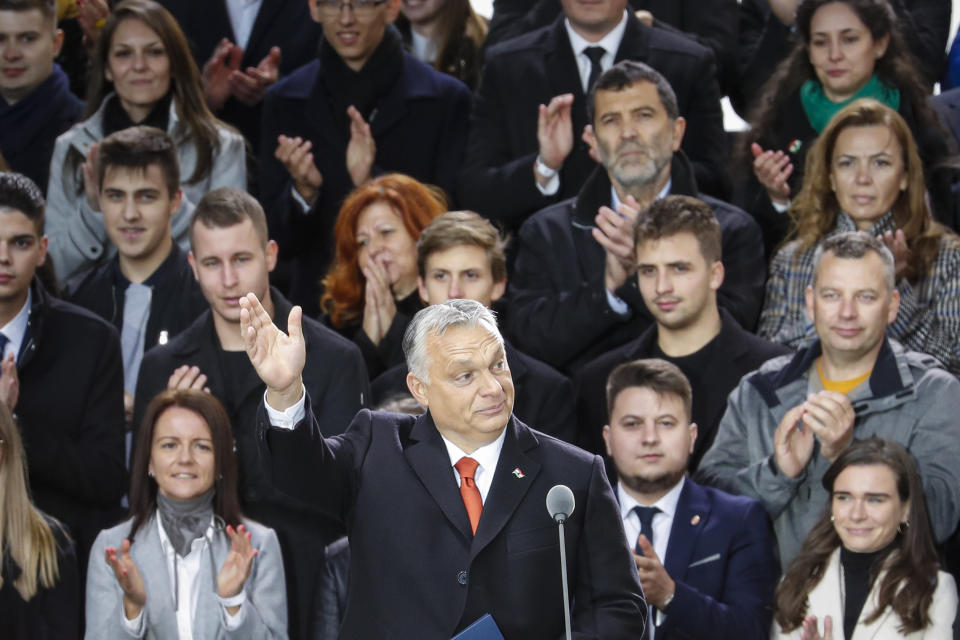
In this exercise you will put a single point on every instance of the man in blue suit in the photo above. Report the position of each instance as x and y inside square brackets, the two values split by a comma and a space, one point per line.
[719, 568]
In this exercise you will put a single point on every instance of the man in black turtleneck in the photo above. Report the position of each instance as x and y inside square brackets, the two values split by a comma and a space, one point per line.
[364, 107]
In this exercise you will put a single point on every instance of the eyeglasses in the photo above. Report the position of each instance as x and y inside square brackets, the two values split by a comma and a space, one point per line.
[360, 8]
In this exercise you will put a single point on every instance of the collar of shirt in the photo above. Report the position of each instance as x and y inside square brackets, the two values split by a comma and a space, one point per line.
[609, 42]
[184, 574]
[616, 202]
[662, 522]
[242, 14]
[424, 49]
[486, 456]
[16, 329]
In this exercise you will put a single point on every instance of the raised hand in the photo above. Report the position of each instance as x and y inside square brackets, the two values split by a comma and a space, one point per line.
[830, 417]
[236, 567]
[810, 631]
[773, 169]
[188, 377]
[555, 131]
[614, 232]
[361, 150]
[792, 444]
[379, 307]
[90, 17]
[91, 177]
[129, 578]
[296, 155]
[278, 358]
[657, 584]
[251, 85]
[222, 64]
[897, 243]
[9, 383]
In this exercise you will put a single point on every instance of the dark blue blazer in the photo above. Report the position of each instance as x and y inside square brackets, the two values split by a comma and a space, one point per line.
[722, 557]
[417, 571]
[420, 129]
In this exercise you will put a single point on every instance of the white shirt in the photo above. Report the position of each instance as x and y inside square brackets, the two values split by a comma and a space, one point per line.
[661, 525]
[423, 48]
[16, 329]
[609, 42]
[486, 457]
[243, 13]
[184, 588]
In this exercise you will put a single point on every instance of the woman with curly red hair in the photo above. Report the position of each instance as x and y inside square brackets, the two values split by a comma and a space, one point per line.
[370, 292]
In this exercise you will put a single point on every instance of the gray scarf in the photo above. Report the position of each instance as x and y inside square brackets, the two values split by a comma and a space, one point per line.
[185, 520]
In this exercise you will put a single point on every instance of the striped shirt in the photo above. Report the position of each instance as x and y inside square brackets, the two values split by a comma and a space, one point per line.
[928, 320]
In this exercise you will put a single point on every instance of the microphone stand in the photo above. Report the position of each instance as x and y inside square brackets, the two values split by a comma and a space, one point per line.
[563, 576]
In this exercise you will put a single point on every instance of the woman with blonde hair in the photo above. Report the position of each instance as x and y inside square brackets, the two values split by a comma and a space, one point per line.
[39, 585]
[865, 174]
[370, 292]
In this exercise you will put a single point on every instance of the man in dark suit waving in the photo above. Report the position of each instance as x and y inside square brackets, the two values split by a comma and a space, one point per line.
[706, 558]
[428, 558]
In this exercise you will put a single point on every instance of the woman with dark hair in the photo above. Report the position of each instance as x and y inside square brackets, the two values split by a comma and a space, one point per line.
[447, 34]
[370, 292]
[868, 568]
[143, 74]
[847, 49]
[183, 565]
[39, 585]
[864, 173]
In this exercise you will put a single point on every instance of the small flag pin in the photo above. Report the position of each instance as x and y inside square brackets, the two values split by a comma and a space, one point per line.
[795, 146]
[695, 520]
[518, 473]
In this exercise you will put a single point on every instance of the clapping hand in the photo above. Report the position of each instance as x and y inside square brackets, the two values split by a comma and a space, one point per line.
[555, 131]
[128, 575]
[773, 169]
[657, 584]
[236, 567]
[91, 177]
[251, 85]
[897, 243]
[810, 631]
[278, 358]
[9, 382]
[296, 155]
[614, 232]
[361, 150]
[379, 307]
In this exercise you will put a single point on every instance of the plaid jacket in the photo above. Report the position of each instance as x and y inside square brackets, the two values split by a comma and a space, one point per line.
[929, 316]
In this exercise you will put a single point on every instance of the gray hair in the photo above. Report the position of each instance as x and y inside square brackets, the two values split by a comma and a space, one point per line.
[853, 245]
[436, 319]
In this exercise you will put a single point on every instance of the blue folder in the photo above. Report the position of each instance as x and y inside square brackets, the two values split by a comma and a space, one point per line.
[483, 629]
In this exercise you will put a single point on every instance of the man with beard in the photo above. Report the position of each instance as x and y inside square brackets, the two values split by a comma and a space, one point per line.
[678, 273]
[705, 558]
[572, 293]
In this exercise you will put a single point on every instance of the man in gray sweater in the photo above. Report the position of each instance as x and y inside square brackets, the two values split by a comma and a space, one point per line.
[786, 422]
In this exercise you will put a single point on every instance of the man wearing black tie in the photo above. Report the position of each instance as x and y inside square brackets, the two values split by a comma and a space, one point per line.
[706, 559]
[446, 512]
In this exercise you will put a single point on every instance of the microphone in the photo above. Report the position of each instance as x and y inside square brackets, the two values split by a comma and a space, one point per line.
[560, 505]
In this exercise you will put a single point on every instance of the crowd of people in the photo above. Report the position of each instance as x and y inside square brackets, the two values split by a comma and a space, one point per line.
[307, 305]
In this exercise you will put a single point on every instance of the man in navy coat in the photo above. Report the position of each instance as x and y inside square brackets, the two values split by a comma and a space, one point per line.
[706, 559]
[428, 557]
[362, 108]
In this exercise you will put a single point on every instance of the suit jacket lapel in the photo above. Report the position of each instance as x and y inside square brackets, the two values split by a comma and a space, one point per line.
[635, 44]
[269, 9]
[429, 459]
[823, 598]
[507, 489]
[561, 64]
[147, 553]
[686, 528]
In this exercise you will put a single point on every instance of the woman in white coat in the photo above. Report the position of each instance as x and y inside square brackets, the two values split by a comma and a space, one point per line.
[143, 75]
[187, 565]
[868, 569]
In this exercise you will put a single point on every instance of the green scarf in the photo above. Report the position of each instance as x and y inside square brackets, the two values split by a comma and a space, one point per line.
[819, 108]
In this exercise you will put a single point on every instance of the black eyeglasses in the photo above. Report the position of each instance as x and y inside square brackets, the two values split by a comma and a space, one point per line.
[359, 7]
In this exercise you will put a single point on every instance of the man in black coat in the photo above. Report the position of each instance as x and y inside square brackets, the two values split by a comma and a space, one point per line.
[679, 271]
[67, 360]
[521, 157]
[139, 184]
[427, 559]
[230, 257]
[572, 295]
[461, 255]
[238, 67]
[362, 108]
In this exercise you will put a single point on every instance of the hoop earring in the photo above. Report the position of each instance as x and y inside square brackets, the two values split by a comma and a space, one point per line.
[832, 518]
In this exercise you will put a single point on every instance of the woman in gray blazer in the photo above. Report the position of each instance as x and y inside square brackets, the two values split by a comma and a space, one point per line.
[186, 565]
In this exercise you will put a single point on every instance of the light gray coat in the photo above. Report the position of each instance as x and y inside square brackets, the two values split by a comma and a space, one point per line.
[78, 237]
[266, 605]
[909, 399]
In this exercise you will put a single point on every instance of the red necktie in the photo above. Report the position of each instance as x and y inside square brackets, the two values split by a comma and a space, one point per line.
[466, 467]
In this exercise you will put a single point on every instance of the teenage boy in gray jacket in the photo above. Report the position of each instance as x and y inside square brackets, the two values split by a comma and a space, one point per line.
[786, 422]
